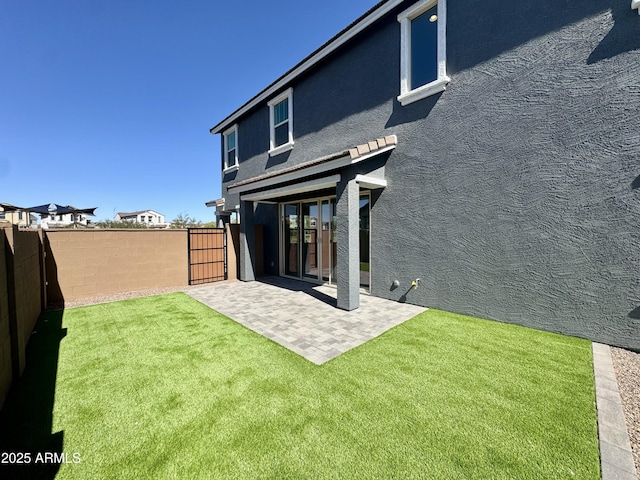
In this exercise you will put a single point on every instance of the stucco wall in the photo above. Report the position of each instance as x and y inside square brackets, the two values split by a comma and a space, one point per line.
[517, 188]
[267, 217]
[86, 263]
[28, 283]
[20, 299]
[514, 194]
[5, 338]
[233, 245]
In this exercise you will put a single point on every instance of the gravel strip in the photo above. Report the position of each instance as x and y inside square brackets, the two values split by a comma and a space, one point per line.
[627, 367]
[115, 297]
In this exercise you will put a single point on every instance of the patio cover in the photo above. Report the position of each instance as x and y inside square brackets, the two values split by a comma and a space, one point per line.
[55, 209]
[257, 188]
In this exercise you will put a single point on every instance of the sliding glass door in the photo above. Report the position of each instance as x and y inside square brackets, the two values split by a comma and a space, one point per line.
[309, 240]
[290, 239]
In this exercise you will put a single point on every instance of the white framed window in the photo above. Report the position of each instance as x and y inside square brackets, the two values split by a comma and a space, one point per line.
[231, 149]
[281, 123]
[423, 50]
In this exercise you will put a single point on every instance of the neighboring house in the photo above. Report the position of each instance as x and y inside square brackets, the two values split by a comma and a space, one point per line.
[57, 216]
[148, 217]
[490, 152]
[52, 215]
[9, 214]
[222, 214]
[53, 220]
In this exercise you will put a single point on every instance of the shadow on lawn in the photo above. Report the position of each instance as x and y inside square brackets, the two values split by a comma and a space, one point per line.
[26, 419]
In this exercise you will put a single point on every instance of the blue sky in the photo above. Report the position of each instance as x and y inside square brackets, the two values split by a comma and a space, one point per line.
[109, 104]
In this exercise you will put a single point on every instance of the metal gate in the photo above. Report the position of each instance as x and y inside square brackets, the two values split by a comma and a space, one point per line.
[207, 255]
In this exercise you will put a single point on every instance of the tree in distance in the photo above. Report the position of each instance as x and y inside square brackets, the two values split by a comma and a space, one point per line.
[184, 220]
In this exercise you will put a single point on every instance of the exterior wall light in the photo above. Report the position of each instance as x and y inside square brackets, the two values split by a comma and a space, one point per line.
[635, 4]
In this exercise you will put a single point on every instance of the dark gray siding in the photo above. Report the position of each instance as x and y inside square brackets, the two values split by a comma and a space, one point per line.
[515, 194]
[267, 216]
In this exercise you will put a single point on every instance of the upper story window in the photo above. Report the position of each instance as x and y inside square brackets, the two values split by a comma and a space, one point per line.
[423, 52]
[231, 149]
[281, 123]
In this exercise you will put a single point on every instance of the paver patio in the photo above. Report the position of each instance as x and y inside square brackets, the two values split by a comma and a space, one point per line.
[302, 316]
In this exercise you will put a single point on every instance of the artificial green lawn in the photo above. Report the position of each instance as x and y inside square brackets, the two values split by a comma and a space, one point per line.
[164, 387]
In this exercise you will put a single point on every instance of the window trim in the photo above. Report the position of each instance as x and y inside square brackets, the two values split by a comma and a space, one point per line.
[273, 150]
[408, 95]
[225, 135]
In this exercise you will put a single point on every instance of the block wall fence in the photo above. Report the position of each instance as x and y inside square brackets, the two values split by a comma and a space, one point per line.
[22, 298]
[89, 263]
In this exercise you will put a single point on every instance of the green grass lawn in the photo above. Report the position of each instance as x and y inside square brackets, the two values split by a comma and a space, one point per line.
[164, 387]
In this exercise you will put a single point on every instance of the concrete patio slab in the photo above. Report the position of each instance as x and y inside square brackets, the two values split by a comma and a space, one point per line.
[303, 317]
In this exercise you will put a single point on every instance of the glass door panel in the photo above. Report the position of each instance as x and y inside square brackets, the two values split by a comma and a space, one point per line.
[310, 250]
[334, 243]
[291, 239]
[365, 270]
[326, 241]
[329, 241]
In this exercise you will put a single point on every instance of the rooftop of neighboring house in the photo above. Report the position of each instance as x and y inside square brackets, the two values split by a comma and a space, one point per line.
[135, 214]
[7, 207]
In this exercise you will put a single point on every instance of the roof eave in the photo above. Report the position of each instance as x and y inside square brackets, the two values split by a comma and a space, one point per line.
[320, 165]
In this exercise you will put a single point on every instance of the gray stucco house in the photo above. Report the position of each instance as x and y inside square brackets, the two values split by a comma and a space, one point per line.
[490, 150]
